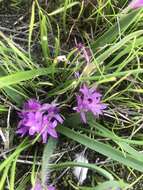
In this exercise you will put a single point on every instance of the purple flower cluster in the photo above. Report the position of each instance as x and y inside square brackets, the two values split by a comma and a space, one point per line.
[38, 186]
[89, 100]
[136, 4]
[40, 119]
[37, 118]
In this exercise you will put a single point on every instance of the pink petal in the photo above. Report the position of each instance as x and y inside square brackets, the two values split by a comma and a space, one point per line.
[83, 117]
[52, 132]
[136, 4]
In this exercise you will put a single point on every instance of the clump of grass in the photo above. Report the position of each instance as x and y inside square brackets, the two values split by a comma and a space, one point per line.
[113, 142]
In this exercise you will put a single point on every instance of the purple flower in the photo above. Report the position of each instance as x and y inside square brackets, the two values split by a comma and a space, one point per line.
[136, 4]
[51, 188]
[38, 186]
[89, 100]
[40, 119]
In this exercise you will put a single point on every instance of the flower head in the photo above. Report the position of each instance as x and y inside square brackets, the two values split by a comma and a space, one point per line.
[40, 119]
[51, 188]
[38, 186]
[136, 4]
[89, 100]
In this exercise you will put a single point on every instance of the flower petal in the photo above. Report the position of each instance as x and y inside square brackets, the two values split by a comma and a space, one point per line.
[136, 4]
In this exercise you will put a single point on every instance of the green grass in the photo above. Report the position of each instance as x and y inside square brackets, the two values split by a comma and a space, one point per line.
[116, 69]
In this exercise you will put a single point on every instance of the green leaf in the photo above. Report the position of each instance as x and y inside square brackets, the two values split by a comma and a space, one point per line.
[104, 132]
[31, 26]
[62, 9]
[17, 51]
[18, 150]
[23, 76]
[44, 36]
[14, 94]
[84, 165]
[108, 184]
[102, 148]
[133, 153]
[48, 151]
[4, 176]
[107, 53]
[22, 184]
[112, 49]
[3, 108]
[13, 174]
[113, 33]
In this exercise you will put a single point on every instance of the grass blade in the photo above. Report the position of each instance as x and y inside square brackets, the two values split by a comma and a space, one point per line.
[62, 9]
[84, 165]
[106, 185]
[48, 151]
[102, 148]
[31, 25]
[12, 174]
[125, 22]
[23, 76]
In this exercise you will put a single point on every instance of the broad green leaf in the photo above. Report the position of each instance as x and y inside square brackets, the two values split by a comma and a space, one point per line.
[23, 76]
[14, 94]
[102, 148]
[48, 151]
